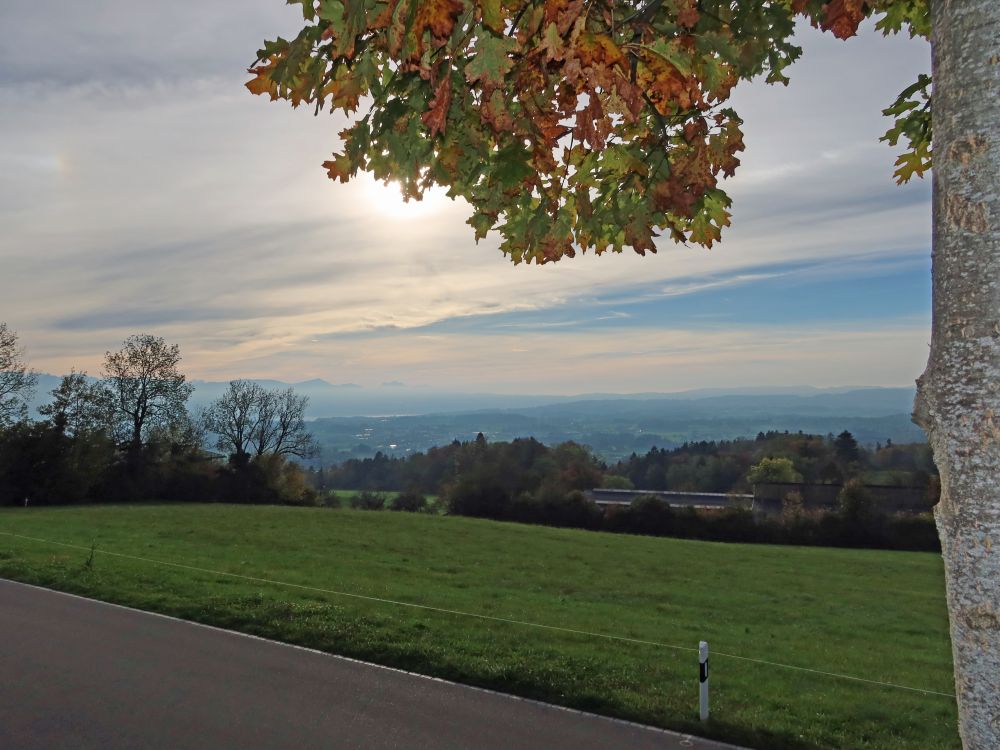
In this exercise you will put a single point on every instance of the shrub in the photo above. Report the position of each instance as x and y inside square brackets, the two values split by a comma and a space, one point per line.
[410, 501]
[368, 500]
[267, 479]
[553, 508]
[792, 507]
[855, 501]
[735, 525]
[647, 514]
[914, 533]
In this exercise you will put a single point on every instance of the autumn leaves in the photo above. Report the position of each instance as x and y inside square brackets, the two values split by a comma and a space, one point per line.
[566, 124]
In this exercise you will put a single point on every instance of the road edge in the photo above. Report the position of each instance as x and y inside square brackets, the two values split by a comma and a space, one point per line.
[686, 740]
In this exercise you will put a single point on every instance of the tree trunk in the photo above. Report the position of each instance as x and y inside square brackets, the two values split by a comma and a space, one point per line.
[958, 400]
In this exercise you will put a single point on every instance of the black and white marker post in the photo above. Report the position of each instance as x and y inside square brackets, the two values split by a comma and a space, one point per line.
[703, 680]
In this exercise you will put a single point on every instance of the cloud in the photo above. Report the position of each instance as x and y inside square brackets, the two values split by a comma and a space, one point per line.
[664, 358]
[142, 188]
[63, 42]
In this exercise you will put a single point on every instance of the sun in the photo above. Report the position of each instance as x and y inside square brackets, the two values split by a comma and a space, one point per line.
[386, 199]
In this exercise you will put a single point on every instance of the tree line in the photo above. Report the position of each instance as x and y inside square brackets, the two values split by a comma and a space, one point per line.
[129, 435]
[736, 465]
[723, 466]
[526, 481]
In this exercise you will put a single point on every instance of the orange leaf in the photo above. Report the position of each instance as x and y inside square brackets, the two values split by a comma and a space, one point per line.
[437, 15]
[563, 13]
[436, 117]
[688, 15]
[262, 83]
[340, 168]
[842, 17]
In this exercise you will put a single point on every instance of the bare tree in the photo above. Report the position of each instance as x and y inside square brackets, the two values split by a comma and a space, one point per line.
[147, 389]
[251, 421]
[17, 382]
[234, 418]
[288, 435]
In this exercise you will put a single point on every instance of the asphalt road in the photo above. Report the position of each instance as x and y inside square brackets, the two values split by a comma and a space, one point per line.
[76, 673]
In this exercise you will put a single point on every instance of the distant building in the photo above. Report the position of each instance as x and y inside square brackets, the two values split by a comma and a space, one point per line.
[612, 498]
[768, 498]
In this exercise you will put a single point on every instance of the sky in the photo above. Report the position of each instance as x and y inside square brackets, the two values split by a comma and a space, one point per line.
[143, 189]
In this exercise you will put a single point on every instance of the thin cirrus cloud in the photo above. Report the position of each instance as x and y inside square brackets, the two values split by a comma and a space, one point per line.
[141, 188]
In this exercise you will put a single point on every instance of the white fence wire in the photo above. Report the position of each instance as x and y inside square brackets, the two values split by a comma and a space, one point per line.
[476, 615]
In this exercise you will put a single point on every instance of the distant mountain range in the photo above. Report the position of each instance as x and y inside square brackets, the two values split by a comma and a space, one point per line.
[350, 420]
[617, 426]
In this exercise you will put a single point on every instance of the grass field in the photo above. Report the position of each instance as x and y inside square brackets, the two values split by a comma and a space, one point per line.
[871, 614]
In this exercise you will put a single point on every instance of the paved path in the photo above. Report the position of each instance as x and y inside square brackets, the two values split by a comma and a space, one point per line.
[80, 674]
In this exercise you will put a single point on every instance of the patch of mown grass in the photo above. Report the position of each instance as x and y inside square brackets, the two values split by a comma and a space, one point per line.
[872, 614]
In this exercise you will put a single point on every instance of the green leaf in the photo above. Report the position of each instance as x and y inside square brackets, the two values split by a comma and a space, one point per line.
[308, 9]
[491, 62]
[493, 17]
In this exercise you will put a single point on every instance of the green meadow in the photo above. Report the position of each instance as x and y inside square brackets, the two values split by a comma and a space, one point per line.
[875, 615]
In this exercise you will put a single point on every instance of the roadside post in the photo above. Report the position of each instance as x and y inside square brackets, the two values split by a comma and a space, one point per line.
[703, 680]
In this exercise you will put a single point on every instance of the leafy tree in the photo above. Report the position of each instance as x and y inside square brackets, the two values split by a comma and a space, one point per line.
[481, 496]
[780, 470]
[41, 465]
[283, 481]
[79, 406]
[617, 482]
[855, 501]
[147, 390]
[577, 467]
[17, 382]
[569, 125]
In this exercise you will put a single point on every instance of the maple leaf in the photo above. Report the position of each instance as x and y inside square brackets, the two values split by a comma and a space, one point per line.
[437, 16]
[593, 125]
[339, 168]
[688, 14]
[492, 15]
[436, 117]
[842, 17]
[261, 83]
[552, 43]
[563, 13]
[491, 62]
[598, 50]
[495, 111]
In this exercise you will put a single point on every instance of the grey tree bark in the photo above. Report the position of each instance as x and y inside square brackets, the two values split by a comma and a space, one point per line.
[958, 400]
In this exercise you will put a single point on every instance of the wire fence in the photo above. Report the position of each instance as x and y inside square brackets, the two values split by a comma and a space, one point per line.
[476, 615]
